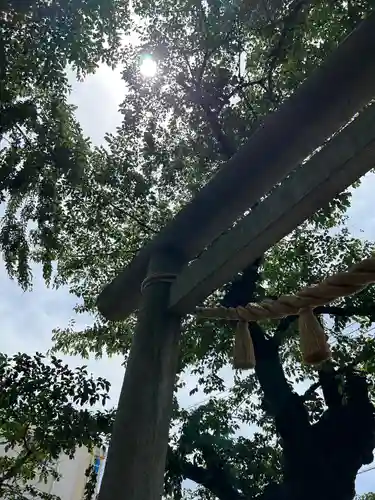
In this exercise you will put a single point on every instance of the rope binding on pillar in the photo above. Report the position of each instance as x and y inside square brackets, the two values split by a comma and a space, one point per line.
[313, 341]
[157, 278]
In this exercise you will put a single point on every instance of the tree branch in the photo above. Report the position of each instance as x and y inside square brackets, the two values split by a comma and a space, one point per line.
[16, 467]
[242, 86]
[346, 312]
[364, 355]
[283, 404]
[309, 393]
[215, 480]
[289, 23]
[269, 371]
[195, 95]
[13, 490]
[283, 327]
[227, 148]
[187, 62]
[281, 331]
[133, 217]
[202, 69]
[242, 290]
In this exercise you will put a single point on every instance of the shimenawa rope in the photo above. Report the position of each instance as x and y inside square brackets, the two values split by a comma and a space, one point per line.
[313, 341]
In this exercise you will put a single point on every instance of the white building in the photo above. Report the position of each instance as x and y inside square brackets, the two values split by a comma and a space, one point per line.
[72, 483]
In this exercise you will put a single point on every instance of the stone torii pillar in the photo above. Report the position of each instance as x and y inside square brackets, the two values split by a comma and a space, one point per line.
[137, 452]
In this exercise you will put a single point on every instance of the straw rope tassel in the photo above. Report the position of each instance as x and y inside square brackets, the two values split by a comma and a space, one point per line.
[314, 345]
[243, 353]
[313, 340]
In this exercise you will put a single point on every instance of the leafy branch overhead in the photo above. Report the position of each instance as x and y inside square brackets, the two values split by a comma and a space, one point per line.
[44, 155]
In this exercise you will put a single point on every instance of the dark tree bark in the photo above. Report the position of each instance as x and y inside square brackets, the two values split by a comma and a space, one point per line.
[213, 477]
[319, 460]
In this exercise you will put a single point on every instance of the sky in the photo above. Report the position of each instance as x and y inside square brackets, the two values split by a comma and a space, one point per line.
[29, 317]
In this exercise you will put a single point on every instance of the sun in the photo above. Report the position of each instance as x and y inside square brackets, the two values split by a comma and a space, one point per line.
[148, 67]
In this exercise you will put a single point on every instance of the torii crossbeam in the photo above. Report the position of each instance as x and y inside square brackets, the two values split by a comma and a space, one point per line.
[327, 100]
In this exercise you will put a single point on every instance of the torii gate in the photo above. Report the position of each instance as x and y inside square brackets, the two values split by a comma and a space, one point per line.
[172, 286]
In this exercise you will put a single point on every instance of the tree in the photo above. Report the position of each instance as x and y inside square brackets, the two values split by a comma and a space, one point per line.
[366, 496]
[160, 158]
[43, 414]
[317, 453]
[43, 152]
[220, 73]
[203, 104]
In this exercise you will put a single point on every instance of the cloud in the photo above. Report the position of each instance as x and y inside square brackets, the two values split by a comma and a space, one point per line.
[29, 317]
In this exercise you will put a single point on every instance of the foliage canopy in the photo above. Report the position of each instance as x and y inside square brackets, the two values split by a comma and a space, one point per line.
[43, 153]
[44, 414]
